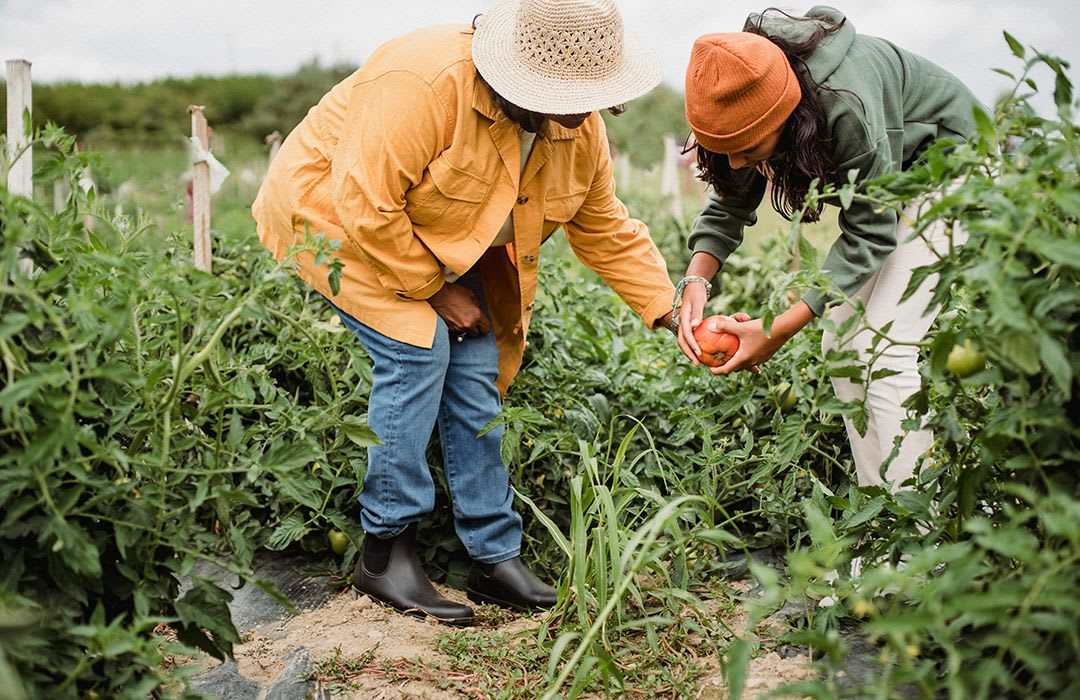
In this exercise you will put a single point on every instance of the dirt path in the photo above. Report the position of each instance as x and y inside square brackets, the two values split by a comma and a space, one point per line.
[360, 649]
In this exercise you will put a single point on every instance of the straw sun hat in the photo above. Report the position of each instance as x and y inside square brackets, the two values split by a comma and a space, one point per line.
[562, 56]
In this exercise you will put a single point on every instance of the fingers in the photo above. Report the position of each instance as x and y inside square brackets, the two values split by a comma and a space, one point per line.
[741, 317]
[726, 326]
[687, 350]
[693, 304]
[472, 326]
[741, 360]
[688, 321]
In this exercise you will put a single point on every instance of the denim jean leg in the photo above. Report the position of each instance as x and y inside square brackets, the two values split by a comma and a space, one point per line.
[403, 406]
[484, 515]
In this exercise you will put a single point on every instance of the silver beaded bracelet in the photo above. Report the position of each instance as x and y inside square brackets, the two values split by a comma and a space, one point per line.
[677, 301]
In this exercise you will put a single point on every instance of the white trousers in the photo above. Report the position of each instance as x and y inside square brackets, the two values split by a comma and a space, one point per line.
[911, 320]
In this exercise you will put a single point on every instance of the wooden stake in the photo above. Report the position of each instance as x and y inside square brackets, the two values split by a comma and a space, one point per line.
[61, 192]
[273, 140]
[86, 183]
[623, 169]
[670, 180]
[20, 177]
[200, 192]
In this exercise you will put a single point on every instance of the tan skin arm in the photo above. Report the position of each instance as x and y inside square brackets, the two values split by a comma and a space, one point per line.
[755, 347]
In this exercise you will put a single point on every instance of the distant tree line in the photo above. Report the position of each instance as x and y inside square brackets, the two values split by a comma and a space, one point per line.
[155, 113]
[252, 106]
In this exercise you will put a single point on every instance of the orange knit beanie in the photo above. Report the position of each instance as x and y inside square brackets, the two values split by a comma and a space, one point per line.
[739, 89]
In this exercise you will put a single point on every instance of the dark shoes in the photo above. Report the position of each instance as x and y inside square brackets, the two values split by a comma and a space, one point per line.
[389, 570]
[509, 584]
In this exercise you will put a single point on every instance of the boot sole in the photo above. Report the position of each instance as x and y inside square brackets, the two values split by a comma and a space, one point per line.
[484, 599]
[417, 612]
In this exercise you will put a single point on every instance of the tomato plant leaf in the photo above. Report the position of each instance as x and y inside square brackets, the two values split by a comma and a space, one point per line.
[1015, 46]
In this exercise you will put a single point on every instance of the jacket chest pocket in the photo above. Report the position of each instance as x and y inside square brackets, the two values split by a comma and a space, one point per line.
[446, 194]
[561, 208]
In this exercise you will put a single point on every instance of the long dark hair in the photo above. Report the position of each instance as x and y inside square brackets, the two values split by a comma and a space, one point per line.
[802, 154]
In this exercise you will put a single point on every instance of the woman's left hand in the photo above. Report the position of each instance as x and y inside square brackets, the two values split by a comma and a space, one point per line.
[755, 347]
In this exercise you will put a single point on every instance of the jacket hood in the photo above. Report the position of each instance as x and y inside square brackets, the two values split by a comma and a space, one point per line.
[829, 54]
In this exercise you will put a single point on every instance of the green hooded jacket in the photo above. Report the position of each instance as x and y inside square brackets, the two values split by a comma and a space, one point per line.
[883, 107]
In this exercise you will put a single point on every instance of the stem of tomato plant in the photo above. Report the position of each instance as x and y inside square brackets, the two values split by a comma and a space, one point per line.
[318, 349]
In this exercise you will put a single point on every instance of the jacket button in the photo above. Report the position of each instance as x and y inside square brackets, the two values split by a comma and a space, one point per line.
[522, 199]
[529, 259]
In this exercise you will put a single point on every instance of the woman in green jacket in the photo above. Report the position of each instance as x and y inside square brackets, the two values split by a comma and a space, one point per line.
[789, 100]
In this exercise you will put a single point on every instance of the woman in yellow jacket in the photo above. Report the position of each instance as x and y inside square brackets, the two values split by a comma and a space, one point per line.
[442, 165]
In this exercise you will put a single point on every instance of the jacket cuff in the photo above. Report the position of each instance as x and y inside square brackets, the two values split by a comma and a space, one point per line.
[655, 309]
[424, 292]
[817, 301]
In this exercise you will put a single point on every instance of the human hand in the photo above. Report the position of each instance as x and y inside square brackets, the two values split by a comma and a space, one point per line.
[755, 347]
[457, 306]
[688, 343]
[690, 311]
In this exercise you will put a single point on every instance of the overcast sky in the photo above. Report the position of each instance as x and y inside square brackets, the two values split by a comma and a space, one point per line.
[132, 40]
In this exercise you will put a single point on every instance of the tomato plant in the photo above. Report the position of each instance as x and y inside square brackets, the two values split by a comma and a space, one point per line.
[153, 417]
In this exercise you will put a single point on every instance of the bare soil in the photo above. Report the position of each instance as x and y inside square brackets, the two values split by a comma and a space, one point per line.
[383, 654]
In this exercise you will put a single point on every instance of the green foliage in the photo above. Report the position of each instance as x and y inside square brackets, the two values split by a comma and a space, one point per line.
[970, 583]
[639, 131]
[154, 417]
[613, 542]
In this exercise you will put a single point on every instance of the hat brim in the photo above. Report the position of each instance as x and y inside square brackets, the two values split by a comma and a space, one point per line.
[495, 56]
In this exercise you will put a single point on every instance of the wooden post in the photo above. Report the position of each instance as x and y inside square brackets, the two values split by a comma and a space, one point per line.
[19, 180]
[623, 169]
[670, 181]
[273, 140]
[61, 192]
[200, 192]
[86, 183]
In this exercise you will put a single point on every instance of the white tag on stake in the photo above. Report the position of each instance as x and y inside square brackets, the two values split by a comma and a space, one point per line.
[218, 172]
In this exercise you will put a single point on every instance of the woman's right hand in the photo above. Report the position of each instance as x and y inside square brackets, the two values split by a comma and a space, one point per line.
[690, 314]
[457, 306]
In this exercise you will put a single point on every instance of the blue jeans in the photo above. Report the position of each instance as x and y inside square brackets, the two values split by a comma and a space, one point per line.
[452, 385]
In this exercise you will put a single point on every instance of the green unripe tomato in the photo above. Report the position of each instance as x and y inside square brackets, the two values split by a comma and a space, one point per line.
[965, 360]
[338, 541]
[784, 396]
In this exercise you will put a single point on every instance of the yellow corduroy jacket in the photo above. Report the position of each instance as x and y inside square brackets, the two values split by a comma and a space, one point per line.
[409, 163]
